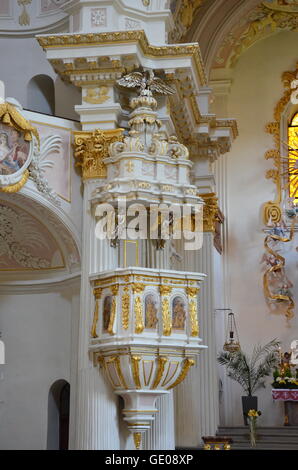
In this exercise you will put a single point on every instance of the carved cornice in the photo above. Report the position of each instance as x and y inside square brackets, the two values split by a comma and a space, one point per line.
[228, 123]
[210, 211]
[91, 148]
[126, 37]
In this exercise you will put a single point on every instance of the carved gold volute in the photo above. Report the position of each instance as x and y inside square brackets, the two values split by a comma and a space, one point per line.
[91, 148]
[210, 211]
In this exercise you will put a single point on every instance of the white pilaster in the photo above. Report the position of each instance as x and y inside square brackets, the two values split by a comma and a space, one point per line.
[161, 436]
[97, 405]
[224, 301]
[196, 399]
[162, 433]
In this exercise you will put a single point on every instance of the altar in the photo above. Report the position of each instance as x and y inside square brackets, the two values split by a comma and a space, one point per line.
[290, 399]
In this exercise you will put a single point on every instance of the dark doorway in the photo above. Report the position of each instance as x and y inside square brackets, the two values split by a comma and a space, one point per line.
[58, 416]
[41, 94]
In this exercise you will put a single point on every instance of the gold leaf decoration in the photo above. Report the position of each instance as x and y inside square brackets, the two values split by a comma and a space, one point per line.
[139, 320]
[9, 115]
[166, 317]
[160, 370]
[125, 311]
[91, 148]
[14, 188]
[188, 363]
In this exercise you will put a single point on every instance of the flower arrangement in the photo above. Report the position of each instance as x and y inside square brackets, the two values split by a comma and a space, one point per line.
[285, 378]
[252, 416]
[285, 375]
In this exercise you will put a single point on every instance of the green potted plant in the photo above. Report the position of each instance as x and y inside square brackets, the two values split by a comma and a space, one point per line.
[251, 372]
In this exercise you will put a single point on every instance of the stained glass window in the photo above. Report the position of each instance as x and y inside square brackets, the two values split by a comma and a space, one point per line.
[293, 158]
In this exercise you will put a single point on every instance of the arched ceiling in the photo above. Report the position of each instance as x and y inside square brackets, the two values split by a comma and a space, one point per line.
[34, 240]
[225, 29]
[30, 17]
[25, 242]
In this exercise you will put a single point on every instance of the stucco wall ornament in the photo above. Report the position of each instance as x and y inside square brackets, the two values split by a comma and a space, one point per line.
[279, 218]
[22, 154]
[184, 15]
[40, 162]
[18, 235]
[24, 18]
[277, 286]
[268, 17]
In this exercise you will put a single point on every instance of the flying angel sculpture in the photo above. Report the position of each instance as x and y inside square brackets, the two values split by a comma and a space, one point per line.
[144, 81]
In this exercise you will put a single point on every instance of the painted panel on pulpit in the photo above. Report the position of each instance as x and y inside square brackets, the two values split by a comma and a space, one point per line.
[151, 309]
[14, 150]
[178, 313]
[107, 310]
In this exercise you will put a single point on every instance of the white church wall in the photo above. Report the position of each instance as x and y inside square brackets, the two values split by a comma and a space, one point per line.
[63, 177]
[256, 88]
[40, 334]
[29, 60]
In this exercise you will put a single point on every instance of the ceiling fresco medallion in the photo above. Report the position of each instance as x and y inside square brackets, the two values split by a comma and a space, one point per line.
[17, 140]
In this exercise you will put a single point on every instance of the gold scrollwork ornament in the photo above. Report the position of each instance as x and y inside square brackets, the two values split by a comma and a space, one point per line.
[91, 148]
[166, 317]
[135, 360]
[160, 371]
[97, 295]
[187, 364]
[193, 315]
[271, 212]
[112, 317]
[139, 320]
[125, 311]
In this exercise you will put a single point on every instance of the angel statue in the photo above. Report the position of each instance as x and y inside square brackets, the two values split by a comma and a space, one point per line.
[146, 83]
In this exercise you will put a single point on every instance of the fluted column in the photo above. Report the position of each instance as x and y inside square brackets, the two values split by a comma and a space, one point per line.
[161, 435]
[226, 406]
[159, 259]
[97, 405]
[196, 399]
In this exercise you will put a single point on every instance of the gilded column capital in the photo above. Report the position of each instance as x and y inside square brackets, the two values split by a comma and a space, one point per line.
[210, 211]
[97, 292]
[115, 289]
[192, 291]
[165, 290]
[137, 288]
[91, 148]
